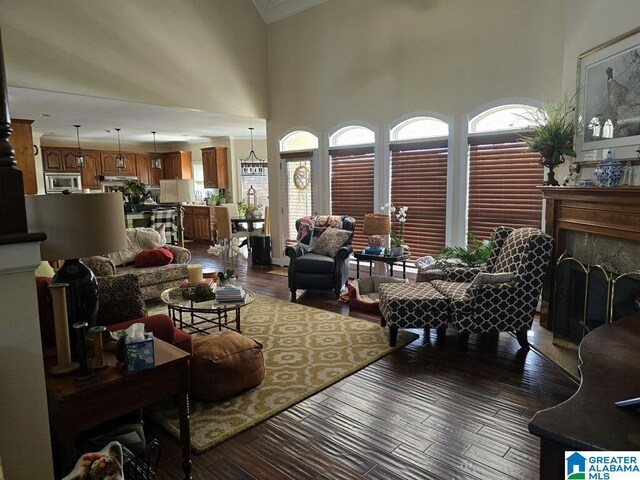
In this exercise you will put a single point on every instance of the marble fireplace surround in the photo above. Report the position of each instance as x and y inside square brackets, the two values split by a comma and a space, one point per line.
[596, 225]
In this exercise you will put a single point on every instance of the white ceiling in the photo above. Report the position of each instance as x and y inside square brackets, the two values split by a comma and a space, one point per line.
[274, 10]
[55, 114]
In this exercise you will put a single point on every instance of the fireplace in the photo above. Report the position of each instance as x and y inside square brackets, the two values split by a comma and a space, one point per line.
[599, 228]
[588, 296]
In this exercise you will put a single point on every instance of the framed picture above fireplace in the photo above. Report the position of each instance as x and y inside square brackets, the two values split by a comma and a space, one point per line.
[608, 101]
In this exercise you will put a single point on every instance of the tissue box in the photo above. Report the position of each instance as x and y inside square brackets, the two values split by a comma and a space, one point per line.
[139, 354]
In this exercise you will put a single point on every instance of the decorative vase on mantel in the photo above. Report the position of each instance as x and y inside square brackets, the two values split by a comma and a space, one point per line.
[609, 172]
[551, 158]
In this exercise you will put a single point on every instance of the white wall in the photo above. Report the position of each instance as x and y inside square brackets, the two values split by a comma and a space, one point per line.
[374, 60]
[204, 54]
[25, 445]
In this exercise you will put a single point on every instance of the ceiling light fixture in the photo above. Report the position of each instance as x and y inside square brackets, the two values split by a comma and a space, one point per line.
[79, 156]
[252, 165]
[156, 161]
[119, 157]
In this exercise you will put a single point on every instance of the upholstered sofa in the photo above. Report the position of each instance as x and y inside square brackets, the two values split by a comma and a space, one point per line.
[153, 280]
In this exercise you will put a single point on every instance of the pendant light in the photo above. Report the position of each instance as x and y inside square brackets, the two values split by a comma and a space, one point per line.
[252, 165]
[156, 161]
[79, 156]
[119, 157]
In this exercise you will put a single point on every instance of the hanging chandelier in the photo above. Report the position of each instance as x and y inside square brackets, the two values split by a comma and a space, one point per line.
[252, 166]
[79, 156]
[156, 161]
[119, 156]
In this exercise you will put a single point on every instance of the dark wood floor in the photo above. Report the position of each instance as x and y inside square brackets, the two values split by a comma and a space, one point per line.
[423, 412]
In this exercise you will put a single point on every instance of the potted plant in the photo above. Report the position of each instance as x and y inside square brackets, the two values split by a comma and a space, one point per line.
[397, 237]
[552, 137]
[135, 191]
[475, 254]
[254, 211]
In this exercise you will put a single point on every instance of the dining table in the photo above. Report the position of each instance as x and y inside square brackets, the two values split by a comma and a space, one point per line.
[248, 224]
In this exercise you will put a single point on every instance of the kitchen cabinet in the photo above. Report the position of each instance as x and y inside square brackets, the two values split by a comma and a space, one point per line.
[63, 160]
[91, 170]
[109, 164]
[59, 160]
[176, 165]
[143, 168]
[199, 223]
[21, 140]
[215, 168]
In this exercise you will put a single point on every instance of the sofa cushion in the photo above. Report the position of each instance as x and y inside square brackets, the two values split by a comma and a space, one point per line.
[123, 291]
[223, 364]
[153, 258]
[154, 275]
[331, 240]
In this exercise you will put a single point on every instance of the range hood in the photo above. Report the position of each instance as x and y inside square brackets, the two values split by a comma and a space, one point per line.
[118, 178]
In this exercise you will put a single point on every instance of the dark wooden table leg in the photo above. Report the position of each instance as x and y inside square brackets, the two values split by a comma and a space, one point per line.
[404, 269]
[370, 267]
[357, 268]
[185, 433]
[391, 269]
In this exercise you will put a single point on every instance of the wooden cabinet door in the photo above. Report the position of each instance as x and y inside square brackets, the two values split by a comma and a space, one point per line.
[171, 162]
[143, 168]
[188, 222]
[90, 171]
[52, 160]
[185, 165]
[129, 164]
[22, 142]
[108, 163]
[214, 166]
[201, 224]
[69, 161]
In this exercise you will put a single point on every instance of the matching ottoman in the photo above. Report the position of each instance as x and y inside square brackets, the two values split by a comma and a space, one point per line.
[412, 305]
[223, 364]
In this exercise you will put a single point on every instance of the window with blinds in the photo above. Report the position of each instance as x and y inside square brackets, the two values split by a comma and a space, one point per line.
[419, 181]
[502, 187]
[352, 172]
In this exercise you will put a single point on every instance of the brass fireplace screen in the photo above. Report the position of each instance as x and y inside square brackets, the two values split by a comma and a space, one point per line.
[587, 296]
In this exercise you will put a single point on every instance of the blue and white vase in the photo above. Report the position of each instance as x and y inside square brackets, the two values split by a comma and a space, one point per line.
[609, 172]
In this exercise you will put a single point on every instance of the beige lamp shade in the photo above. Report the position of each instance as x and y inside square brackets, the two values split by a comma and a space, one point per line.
[177, 190]
[376, 224]
[77, 225]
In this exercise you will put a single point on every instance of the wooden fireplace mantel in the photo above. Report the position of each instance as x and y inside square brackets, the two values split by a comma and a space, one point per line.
[607, 211]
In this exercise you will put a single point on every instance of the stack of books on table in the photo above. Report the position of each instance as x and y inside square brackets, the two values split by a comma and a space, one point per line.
[230, 294]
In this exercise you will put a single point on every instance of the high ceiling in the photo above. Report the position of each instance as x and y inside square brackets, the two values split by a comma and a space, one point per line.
[274, 10]
[55, 114]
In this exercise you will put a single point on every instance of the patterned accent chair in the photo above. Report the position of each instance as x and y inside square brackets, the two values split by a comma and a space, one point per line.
[502, 296]
[314, 271]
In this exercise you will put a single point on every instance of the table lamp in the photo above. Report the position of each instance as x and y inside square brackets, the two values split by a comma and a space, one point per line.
[375, 225]
[78, 225]
[178, 191]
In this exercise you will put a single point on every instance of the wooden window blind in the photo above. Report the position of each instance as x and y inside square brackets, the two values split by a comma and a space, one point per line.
[419, 181]
[502, 187]
[352, 189]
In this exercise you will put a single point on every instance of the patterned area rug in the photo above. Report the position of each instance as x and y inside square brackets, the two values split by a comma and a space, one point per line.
[305, 351]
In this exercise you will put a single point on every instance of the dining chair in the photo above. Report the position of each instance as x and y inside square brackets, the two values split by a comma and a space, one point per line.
[233, 213]
[223, 220]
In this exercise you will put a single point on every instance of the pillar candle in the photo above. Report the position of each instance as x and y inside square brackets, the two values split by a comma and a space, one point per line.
[195, 273]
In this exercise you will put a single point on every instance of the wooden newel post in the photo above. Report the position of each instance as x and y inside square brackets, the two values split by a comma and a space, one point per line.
[13, 216]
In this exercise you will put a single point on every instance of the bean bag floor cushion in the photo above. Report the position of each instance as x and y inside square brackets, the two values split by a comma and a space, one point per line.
[364, 292]
[223, 364]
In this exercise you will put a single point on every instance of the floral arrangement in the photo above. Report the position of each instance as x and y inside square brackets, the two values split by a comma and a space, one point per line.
[254, 211]
[228, 249]
[400, 214]
[475, 254]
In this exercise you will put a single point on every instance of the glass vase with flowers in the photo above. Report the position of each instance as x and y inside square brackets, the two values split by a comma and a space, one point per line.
[398, 220]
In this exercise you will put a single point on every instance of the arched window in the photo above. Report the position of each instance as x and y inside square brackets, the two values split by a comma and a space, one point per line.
[298, 140]
[352, 175]
[503, 174]
[297, 151]
[419, 154]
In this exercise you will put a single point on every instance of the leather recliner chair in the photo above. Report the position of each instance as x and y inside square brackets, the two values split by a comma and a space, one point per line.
[309, 270]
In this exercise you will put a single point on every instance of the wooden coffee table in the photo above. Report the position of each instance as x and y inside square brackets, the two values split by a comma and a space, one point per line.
[200, 317]
[77, 405]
